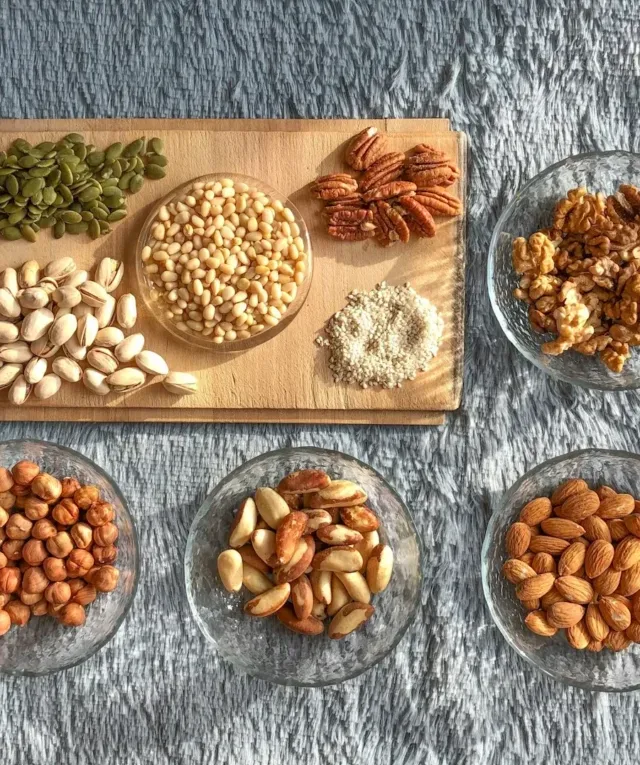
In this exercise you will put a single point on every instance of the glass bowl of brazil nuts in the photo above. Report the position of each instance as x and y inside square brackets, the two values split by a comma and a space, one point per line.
[265, 647]
[224, 262]
[44, 644]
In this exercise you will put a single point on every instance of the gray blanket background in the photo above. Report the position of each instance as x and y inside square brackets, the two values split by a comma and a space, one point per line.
[530, 82]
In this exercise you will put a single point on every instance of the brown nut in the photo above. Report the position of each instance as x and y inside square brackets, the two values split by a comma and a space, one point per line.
[44, 529]
[5, 622]
[304, 482]
[85, 594]
[6, 479]
[35, 508]
[55, 569]
[30, 599]
[309, 626]
[69, 487]
[80, 562]
[18, 527]
[4, 517]
[24, 472]
[60, 545]
[47, 487]
[3, 560]
[72, 615]
[66, 512]
[82, 535]
[7, 500]
[10, 579]
[58, 593]
[359, 518]
[85, 496]
[105, 535]
[104, 555]
[348, 619]
[20, 491]
[12, 548]
[34, 580]
[34, 552]
[19, 613]
[40, 608]
[100, 513]
[103, 578]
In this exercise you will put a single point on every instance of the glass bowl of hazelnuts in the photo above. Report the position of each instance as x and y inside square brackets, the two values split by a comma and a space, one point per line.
[69, 558]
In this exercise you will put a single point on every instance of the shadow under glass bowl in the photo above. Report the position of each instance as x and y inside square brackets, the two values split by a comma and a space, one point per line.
[264, 647]
[531, 210]
[44, 646]
[149, 291]
[603, 671]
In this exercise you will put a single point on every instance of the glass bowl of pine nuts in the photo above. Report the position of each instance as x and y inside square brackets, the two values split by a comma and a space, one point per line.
[224, 262]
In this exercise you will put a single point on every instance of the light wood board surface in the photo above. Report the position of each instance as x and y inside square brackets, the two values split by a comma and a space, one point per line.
[285, 379]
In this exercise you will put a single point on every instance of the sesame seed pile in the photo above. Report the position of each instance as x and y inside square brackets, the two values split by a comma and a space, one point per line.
[382, 337]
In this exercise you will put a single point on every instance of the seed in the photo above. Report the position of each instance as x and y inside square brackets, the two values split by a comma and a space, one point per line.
[67, 369]
[126, 311]
[126, 379]
[47, 387]
[152, 363]
[35, 370]
[129, 348]
[19, 391]
[95, 381]
[180, 383]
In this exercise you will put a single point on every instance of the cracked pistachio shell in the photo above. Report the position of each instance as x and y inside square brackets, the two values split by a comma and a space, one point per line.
[127, 379]
[93, 294]
[8, 373]
[47, 387]
[60, 269]
[109, 273]
[109, 337]
[104, 314]
[180, 383]
[103, 360]
[44, 348]
[35, 370]
[87, 330]
[67, 296]
[19, 392]
[95, 381]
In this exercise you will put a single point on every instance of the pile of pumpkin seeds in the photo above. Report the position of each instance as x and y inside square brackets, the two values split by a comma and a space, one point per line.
[71, 186]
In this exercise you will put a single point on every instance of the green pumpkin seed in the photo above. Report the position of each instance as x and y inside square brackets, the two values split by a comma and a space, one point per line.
[21, 145]
[116, 215]
[59, 229]
[11, 233]
[33, 185]
[77, 228]
[89, 194]
[3, 223]
[100, 214]
[154, 171]
[136, 184]
[49, 195]
[5, 171]
[4, 198]
[94, 229]
[111, 191]
[28, 233]
[156, 145]
[16, 217]
[54, 177]
[65, 193]
[39, 172]
[157, 159]
[75, 207]
[95, 158]
[80, 150]
[36, 198]
[104, 226]
[3, 157]
[133, 148]
[70, 216]
[47, 222]
[66, 174]
[11, 185]
[113, 152]
[46, 146]
[28, 161]
[86, 215]
[124, 181]
[73, 138]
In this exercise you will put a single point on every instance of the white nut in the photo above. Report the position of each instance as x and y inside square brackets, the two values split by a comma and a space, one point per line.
[127, 311]
[36, 324]
[9, 280]
[87, 330]
[19, 392]
[60, 269]
[104, 314]
[9, 306]
[34, 297]
[63, 329]
[9, 333]
[35, 370]
[8, 373]
[109, 337]
[67, 369]
[67, 297]
[29, 274]
[93, 294]
[47, 387]
[44, 348]
[103, 360]
[152, 363]
[126, 379]
[15, 353]
[180, 383]
[129, 348]
[109, 274]
[74, 350]
[95, 382]
[76, 279]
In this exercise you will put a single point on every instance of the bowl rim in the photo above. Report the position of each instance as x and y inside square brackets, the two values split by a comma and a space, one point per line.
[229, 346]
[136, 569]
[486, 572]
[288, 451]
[493, 246]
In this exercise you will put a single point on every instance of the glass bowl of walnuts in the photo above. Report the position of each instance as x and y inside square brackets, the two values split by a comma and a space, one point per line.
[69, 558]
[283, 646]
[570, 604]
[562, 270]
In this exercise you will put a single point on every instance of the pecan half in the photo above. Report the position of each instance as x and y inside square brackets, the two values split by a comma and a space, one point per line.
[418, 218]
[388, 168]
[390, 225]
[334, 186]
[428, 167]
[390, 190]
[365, 148]
[440, 202]
[352, 225]
[351, 202]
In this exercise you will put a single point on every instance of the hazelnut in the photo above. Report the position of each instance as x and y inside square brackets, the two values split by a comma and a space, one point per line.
[19, 491]
[30, 598]
[79, 563]
[4, 599]
[46, 487]
[100, 513]
[24, 472]
[3, 560]
[66, 512]
[72, 615]
[35, 508]
[34, 580]
[34, 552]
[10, 579]
[5, 622]
[85, 496]
[103, 578]
[4, 517]
[85, 595]
[55, 569]
[69, 487]
[18, 527]
[12, 548]
[105, 535]
[104, 555]
[82, 535]
[43, 529]
[61, 545]
[58, 593]
[6, 479]
[39, 608]
[53, 610]
[19, 613]
[7, 500]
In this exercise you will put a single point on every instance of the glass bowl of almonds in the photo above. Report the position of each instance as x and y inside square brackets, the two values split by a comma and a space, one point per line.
[563, 270]
[69, 559]
[561, 569]
[224, 262]
[322, 617]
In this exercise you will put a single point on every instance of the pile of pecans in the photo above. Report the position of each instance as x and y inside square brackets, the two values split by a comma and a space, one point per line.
[394, 196]
[575, 560]
[581, 276]
[58, 544]
[288, 544]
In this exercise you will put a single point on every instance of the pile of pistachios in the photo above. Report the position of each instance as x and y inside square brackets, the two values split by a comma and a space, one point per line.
[71, 186]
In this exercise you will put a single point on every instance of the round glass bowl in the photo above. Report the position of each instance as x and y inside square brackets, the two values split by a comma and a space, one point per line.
[264, 647]
[151, 293]
[603, 671]
[44, 646]
[531, 210]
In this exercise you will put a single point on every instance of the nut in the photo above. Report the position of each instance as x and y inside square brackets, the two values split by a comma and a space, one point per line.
[379, 569]
[18, 527]
[268, 602]
[356, 585]
[288, 534]
[348, 619]
[537, 622]
[19, 613]
[230, 570]
[316, 519]
[34, 580]
[66, 512]
[34, 552]
[60, 545]
[271, 506]
[386, 169]
[104, 554]
[336, 534]
[328, 187]
[54, 569]
[264, 544]
[615, 613]
[85, 496]
[302, 597]
[338, 494]
[72, 615]
[518, 539]
[255, 580]
[563, 615]
[103, 578]
[299, 562]
[309, 626]
[43, 529]
[359, 518]
[58, 593]
[46, 487]
[515, 571]
[80, 562]
[82, 535]
[338, 559]
[24, 472]
[598, 558]
[365, 148]
[100, 513]
[180, 383]
[10, 579]
[244, 523]
[105, 535]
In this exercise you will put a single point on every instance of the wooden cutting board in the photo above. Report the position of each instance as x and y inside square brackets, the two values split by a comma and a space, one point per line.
[285, 379]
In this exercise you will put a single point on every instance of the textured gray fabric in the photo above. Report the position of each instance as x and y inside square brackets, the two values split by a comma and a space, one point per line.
[530, 82]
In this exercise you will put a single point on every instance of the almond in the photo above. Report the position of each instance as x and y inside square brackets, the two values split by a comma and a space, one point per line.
[571, 560]
[615, 613]
[268, 602]
[302, 597]
[230, 570]
[535, 586]
[359, 518]
[561, 528]
[348, 619]
[632, 522]
[515, 571]
[537, 622]
[264, 543]
[321, 586]
[595, 528]
[288, 535]
[595, 646]
[617, 641]
[251, 558]
[255, 580]
[633, 632]
[598, 628]
[316, 519]
[551, 545]
[564, 615]
[578, 636]
[271, 506]
[553, 596]
[536, 511]
[617, 529]
[604, 492]
[574, 589]
[343, 559]
[531, 604]
[299, 563]
[577, 507]
[244, 523]
[304, 482]
[379, 569]
[337, 534]
[598, 558]
[543, 563]
[518, 539]
[309, 626]
[607, 583]
[635, 607]
[627, 553]
[339, 494]
[527, 558]
[629, 581]
[623, 599]
[616, 507]
[572, 486]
